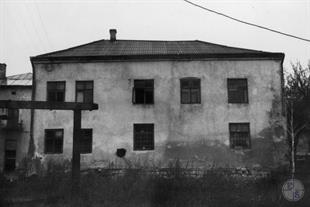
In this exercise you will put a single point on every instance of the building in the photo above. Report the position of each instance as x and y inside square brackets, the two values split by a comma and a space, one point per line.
[202, 103]
[14, 123]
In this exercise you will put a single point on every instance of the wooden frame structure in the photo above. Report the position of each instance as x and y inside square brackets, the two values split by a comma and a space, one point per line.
[77, 109]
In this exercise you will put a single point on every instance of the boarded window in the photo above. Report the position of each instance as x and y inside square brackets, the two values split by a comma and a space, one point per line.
[143, 92]
[237, 90]
[86, 141]
[239, 135]
[53, 141]
[56, 91]
[84, 91]
[190, 91]
[143, 136]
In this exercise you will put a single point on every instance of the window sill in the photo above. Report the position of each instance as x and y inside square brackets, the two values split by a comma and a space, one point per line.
[241, 149]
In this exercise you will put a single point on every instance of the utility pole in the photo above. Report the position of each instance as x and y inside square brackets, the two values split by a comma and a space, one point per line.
[292, 137]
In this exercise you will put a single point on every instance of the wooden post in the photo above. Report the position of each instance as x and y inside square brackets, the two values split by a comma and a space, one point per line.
[76, 151]
[77, 108]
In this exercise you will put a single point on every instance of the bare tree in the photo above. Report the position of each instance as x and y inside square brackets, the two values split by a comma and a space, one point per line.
[297, 92]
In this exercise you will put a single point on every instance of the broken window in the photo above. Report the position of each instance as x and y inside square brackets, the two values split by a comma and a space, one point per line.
[53, 141]
[239, 135]
[86, 141]
[84, 91]
[143, 137]
[56, 91]
[143, 92]
[190, 91]
[237, 90]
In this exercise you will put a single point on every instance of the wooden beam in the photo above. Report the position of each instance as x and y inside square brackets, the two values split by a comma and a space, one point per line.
[76, 152]
[47, 105]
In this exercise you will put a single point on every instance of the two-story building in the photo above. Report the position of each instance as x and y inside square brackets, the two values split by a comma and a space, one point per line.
[203, 103]
[14, 123]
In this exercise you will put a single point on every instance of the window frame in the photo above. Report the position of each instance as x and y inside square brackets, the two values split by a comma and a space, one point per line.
[191, 79]
[144, 88]
[91, 141]
[92, 90]
[45, 141]
[247, 124]
[64, 90]
[246, 98]
[152, 133]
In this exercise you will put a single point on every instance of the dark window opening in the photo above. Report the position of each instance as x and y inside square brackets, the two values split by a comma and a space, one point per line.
[13, 117]
[239, 135]
[143, 137]
[143, 92]
[56, 91]
[84, 91]
[10, 155]
[53, 141]
[237, 90]
[86, 141]
[190, 91]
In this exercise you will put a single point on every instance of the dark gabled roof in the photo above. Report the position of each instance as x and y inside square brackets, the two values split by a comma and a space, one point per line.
[147, 49]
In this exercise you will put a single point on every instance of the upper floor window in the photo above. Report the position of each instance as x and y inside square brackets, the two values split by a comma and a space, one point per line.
[86, 141]
[190, 91]
[143, 92]
[143, 137]
[56, 91]
[237, 90]
[84, 91]
[239, 135]
[53, 141]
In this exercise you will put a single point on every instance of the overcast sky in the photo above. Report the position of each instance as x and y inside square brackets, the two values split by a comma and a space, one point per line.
[29, 28]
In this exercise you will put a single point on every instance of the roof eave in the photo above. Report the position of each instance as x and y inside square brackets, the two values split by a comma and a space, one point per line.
[15, 86]
[277, 56]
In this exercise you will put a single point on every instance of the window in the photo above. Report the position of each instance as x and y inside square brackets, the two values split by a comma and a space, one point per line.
[53, 141]
[190, 91]
[10, 155]
[84, 91]
[143, 92]
[13, 116]
[56, 91]
[237, 90]
[239, 135]
[143, 137]
[86, 141]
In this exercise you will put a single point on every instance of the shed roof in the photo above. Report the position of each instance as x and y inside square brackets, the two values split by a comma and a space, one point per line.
[24, 79]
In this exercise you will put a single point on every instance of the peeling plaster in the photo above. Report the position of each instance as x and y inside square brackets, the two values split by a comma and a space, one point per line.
[192, 133]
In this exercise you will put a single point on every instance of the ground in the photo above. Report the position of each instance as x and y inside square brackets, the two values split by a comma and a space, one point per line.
[138, 188]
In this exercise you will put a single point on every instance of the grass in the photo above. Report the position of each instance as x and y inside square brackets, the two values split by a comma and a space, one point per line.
[134, 188]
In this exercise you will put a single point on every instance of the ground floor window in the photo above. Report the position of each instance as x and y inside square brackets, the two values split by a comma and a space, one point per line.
[86, 141]
[53, 141]
[239, 135]
[143, 137]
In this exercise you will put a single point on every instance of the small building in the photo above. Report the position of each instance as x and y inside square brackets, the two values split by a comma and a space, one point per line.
[202, 103]
[14, 123]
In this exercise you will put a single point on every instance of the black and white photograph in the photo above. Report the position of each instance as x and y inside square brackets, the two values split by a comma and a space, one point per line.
[154, 103]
